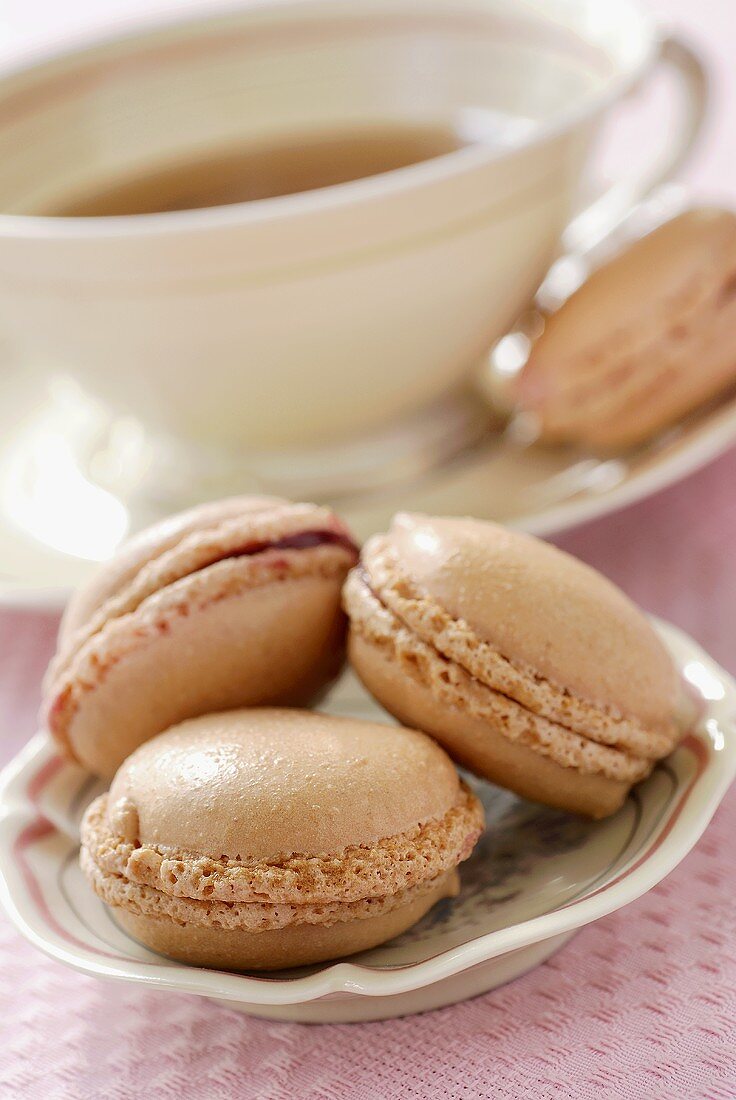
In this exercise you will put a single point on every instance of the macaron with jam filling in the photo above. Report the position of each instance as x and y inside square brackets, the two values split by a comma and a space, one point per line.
[235, 603]
[530, 668]
[267, 838]
[647, 339]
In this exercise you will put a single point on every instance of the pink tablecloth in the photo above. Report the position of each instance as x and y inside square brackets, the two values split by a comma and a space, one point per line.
[640, 1006]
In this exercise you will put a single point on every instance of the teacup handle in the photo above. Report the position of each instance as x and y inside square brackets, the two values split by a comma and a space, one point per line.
[588, 228]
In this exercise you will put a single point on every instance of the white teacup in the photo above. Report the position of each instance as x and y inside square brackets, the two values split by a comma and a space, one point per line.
[319, 316]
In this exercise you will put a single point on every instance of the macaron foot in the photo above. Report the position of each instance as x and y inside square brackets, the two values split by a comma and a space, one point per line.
[479, 747]
[279, 949]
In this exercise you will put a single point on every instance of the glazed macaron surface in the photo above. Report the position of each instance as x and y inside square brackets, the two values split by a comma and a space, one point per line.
[235, 603]
[528, 666]
[266, 838]
[647, 338]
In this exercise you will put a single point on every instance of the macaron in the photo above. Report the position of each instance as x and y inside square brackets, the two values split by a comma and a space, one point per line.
[269, 838]
[530, 668]
[647, 339]
[235, 603]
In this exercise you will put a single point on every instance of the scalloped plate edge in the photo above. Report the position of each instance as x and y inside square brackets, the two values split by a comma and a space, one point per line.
[679, 832]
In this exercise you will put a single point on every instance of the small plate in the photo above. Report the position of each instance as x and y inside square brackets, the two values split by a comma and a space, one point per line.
[73, 482]
[535, 877]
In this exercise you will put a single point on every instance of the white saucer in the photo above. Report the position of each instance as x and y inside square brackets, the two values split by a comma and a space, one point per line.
[535, 877]
[73, 482]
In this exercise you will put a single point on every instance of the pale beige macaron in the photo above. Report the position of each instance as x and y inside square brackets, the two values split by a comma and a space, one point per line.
[268, 838]
[235, 603]
[647, 339]
[529, 667]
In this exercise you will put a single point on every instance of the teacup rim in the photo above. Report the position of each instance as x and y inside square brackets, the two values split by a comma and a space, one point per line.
[79, 46]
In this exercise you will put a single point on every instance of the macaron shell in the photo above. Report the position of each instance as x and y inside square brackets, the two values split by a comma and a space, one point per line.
[298, 945]
[541, 608]
[669, 270]
[268, 784]
[110, 577]
[680, 378]
[641, 393]
[216, 649]
[479, 747]
[234, 537]
[649, 337]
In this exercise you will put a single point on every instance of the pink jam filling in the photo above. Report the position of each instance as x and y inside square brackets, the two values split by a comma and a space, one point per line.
[303, 540]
